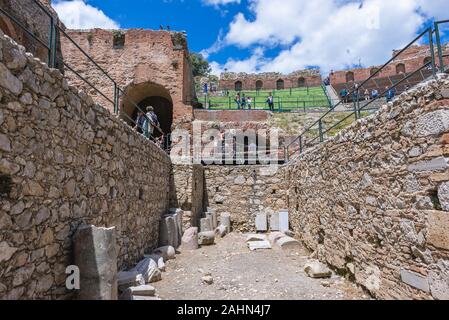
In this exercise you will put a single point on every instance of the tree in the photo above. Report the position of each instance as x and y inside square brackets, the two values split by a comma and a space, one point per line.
[200, 66]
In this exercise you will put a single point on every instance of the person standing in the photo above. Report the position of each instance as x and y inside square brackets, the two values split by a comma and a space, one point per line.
[249, 102]
[270, 101]
[140, 122]
[243, 102]
[366, 95]
[237, 100]
[151, 121]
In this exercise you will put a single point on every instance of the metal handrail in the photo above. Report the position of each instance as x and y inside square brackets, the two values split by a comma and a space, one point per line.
[51, 47]
[356, 90]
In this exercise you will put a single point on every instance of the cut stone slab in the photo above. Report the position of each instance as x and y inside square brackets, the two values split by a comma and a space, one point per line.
[274, 221]
[443, 195]
[259, 245]
[256, 237]
[213, 218]
[166, 252]
[435, 164]
[438, 231]
[288, 243]
[261, 222]
[127, 279]
[143, 291]
[95, 254]
[146, 298]
[283, 221]
[225, 219]
[316, 269]
[148, 268]
[206, 224]
[190, 239]
[275, 236]
[415, 280]
[220, 231]
[206, 238]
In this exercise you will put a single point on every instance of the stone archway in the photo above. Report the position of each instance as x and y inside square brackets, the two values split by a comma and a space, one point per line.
[148, 94]
[280, 84]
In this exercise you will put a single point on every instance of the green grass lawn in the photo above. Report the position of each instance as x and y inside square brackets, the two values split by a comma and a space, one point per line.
[284, 100]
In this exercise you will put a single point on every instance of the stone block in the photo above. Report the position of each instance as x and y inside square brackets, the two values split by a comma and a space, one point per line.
[316, 269]
[275, 236]
[168, 232]
[225, 220]
[220, 231]
[206, 224]
[95, 254]
[274, 221]
[436, 164]
[206, 238]
[259, 245]
[443, 195]
[261, 222]
[439, 285]
[142, 291]
[256, 237]
[190, 239]
[432, 123]
[438, 230]
[283, 221]
[166, 252]
[288, 243]
[127, 279]
[415, 280]
[148, 268]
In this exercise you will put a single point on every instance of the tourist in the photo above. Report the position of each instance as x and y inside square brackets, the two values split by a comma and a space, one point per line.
[243, 102]
[367, 95]
[270, 101]
[151, 121]
[237, 100]
[140, 122]
[374, 94]
[249, 101]
[390, 93]
[344, 95]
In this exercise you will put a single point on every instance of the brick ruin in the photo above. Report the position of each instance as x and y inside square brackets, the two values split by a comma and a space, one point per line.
[269, 81]
[371, 202]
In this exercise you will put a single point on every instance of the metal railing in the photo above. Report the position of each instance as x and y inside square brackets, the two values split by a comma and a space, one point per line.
[317, 130]
[55, 32]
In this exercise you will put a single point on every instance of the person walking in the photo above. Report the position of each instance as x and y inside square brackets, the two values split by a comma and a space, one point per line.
[367, 95]
[237, 100]
[243, 102]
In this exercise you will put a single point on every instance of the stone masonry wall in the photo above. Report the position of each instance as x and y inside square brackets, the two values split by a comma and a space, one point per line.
[373, 201]
[186, 192]
[244, 191]
[66, 161]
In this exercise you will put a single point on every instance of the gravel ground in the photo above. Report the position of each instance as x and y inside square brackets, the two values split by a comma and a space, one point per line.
[241, 274]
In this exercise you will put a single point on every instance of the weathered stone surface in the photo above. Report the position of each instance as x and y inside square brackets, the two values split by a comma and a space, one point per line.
[149, 270]
[206, 224]
[168, 234]
[288, 243]
[207, 280]
[9, 81]
[432, 123]
[443, 195]
[284, 224]
[5, 143]
[415, 280]
[438, 232]
[166, 252]
[225, 220]
[439, 281]
[190, 239]
[221, 231]
[6, 251]
[259, 245]
[142, 291]
[274, 221]
[261, 222]
[316, 269]
[206, 238]
[256, 237]
[273, 237]
[95, 254]
[431, 165]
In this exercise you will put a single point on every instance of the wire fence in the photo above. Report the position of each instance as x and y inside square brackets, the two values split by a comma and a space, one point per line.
[326, 126]
[146, 123]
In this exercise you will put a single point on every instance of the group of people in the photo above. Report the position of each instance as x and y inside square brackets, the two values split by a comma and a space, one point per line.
[244, 102]
[146, 123]
[368, 95]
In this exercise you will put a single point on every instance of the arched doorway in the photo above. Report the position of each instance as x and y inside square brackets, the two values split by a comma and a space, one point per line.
[280, 84]
[259, 85]
[301, 82]
[238, 86]
[144, 95]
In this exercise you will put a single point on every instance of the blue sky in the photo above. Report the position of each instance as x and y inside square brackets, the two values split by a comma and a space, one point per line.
[270, 35]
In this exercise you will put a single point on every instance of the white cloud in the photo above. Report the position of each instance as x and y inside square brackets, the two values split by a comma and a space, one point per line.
[220, 2]
[77, 14]
[329, 34]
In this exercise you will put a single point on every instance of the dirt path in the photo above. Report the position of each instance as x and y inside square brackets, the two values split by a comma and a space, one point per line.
[240, 274]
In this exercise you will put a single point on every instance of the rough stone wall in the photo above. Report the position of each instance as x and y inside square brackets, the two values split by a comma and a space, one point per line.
[231, 115]
[413, 58]
[35, 20]
[150, 63]
[187, 191]
[373, 201]
[312, 78]
[66, 161]
[244, 191]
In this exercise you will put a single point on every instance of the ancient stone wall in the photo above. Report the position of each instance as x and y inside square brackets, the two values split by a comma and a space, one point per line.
[187, 191]
[373, 201]
[268, 81]
[244, 191]
[65, 161]
[145, 64]
[231, 115]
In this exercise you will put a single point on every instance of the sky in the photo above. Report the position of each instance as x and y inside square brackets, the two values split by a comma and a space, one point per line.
[271, 35]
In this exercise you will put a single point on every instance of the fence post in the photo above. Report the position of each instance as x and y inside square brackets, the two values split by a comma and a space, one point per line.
[229, 102]
[320, 128]
[440, 51]
[52, 44]
[355, 110]
[432, 52]
[286, 154]
[358, 104]
[304, 105]
[116, 99]
[300, 145]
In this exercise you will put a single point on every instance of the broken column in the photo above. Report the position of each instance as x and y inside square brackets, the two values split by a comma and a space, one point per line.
[261, 222]
[225, 220]
[190, 239]
[206, 224]
[95, 254]
[283, 221]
